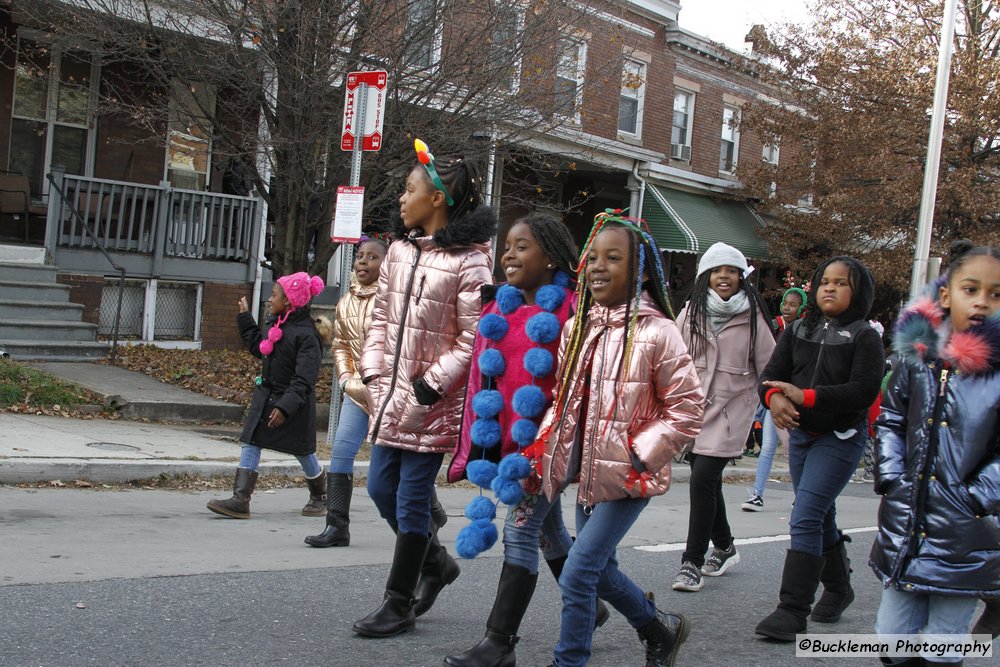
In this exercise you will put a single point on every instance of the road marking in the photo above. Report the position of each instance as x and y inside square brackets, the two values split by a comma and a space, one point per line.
[680, 546]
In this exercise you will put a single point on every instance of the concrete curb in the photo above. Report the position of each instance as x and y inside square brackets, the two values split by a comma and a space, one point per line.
[120, 471]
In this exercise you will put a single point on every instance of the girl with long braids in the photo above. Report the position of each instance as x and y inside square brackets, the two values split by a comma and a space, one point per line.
[627, 399]
[513, 374]
[415, 365]
[726, 328]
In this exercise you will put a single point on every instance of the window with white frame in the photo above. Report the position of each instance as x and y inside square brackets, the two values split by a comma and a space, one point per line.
[632, 96]
[570, 64]
[53, 113]
[680, 130]
[806, 199]
[422, 34]
[729, 150]
[507, 47]
[189, 135]
[771, 152]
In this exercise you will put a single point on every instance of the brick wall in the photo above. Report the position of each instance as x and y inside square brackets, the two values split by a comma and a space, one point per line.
[85, 290]
[219, 306]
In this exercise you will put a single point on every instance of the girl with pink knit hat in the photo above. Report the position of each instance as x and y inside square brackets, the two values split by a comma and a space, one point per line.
[282, 413]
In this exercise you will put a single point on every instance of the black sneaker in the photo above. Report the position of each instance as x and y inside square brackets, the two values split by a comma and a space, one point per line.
[688, 579]
[753, 504]
[720, 561]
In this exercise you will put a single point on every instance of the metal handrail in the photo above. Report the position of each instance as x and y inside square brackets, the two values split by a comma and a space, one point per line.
[104, 251]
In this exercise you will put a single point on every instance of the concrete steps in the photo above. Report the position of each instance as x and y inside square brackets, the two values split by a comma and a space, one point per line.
[37, 320]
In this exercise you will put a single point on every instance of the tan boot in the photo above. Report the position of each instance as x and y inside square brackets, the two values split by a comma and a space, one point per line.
[237, 507]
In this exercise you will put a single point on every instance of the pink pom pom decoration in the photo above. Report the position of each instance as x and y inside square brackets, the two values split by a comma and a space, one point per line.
[316, 285]
[275, 334]
[266, 347]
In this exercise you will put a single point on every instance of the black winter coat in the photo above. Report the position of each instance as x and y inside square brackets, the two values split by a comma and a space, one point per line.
[938, 458]
[287, 382]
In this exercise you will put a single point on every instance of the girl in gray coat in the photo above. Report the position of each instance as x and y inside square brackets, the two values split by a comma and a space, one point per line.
[729, 337]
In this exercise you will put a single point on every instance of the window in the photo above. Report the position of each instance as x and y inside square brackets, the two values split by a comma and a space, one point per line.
[730, 148]
[189, 136]
[569, 77]
[54, 101]
[806, 200]
[423, 37]
[771, 152]
[505, 58]
[680, 130]
[631, 100]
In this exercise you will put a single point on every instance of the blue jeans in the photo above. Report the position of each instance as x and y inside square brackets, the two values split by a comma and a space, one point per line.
[768, 445]
[535, 524]
[250, 460]
[902, 613]
[591, 571]
[352, 427]
[821, 466]
[401, 482]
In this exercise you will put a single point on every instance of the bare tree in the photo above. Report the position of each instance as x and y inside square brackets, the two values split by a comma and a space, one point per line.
[857, 88]
[264, 79]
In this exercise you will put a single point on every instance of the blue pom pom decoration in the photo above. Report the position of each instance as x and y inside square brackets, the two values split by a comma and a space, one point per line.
[475, 538]
[550, 297]
[514, 466]
[485, 433]
[524, 432]
[481, 507]
[487, 403]
[509, 299]
[542, 328]
[539, 362]
[481, 472]
[528, 401]
[562, 279]
[493, 326]
[509, 491]
[492, 363]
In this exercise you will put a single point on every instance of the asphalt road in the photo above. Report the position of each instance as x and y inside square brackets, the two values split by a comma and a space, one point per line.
[151, 578]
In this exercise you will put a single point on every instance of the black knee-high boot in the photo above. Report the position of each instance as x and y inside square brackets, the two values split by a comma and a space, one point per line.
[836, 579]
[602, 613]
[395, 615]
[439, 569]
[799, 581]
[514, 592]
[339, 487]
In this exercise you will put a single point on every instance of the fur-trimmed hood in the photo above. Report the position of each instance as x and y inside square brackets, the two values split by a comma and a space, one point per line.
[923, 332]
[477, 226]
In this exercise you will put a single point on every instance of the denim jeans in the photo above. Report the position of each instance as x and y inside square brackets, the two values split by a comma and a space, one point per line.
[821, 466]
[250, 460]
[902, 613]
[401, 482]
[768, 445]
[352, 427]
[591, 570]
[707, 517]
[535, 524]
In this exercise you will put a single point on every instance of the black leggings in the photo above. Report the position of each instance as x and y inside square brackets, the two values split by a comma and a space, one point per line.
[708, 509]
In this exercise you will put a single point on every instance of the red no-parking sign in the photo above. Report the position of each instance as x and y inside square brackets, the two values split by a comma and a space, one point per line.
[367, 122]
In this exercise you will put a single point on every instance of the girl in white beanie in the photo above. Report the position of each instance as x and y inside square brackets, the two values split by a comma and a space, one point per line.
[726, 328]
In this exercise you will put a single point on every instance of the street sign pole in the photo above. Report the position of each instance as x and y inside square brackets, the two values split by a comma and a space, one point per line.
[347, 257]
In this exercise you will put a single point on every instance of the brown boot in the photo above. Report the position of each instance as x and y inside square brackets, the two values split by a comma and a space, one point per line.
[317, 496]
[237, 507]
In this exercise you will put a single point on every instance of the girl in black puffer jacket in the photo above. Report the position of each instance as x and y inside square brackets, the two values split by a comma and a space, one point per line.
[938, 454]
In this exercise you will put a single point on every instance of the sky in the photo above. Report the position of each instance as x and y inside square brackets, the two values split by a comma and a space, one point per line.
[728, 21]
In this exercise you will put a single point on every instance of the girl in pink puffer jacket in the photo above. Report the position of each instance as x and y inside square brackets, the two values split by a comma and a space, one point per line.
[415, 366]
[627, 400]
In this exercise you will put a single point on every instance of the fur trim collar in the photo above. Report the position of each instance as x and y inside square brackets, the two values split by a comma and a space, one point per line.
[477, 226]
[923, 332]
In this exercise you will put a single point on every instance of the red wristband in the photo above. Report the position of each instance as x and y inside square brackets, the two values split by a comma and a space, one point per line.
[808, 398]
[769, 394]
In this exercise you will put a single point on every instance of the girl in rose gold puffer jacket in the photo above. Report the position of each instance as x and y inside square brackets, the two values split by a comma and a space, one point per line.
[628, 399]
[415, 367]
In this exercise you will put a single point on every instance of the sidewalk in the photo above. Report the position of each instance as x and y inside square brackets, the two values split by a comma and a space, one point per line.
[38, 448]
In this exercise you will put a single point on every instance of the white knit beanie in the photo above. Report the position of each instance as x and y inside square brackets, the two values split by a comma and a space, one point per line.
[721, 254]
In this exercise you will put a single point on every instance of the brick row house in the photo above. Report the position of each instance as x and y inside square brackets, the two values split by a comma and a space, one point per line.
[662, 139]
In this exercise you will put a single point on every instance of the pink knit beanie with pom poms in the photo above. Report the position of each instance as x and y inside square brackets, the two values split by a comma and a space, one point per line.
[299, 289]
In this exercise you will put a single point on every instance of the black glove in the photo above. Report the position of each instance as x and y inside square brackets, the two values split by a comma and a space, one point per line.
[425, 395]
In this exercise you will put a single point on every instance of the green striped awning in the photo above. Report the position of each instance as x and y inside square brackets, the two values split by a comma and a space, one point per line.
[686, 222]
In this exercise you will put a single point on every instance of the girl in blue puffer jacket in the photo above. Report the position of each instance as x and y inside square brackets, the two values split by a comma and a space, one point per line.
[938, 459]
